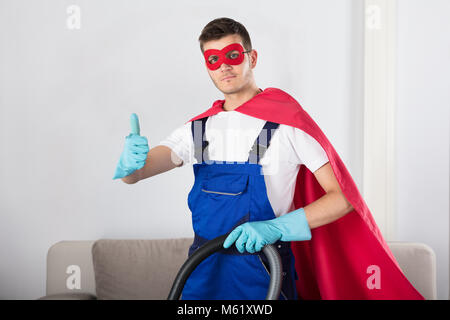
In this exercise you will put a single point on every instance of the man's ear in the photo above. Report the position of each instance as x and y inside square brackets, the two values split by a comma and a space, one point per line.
[253, 58]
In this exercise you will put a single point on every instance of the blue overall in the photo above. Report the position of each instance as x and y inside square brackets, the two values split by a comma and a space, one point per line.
[225, 195]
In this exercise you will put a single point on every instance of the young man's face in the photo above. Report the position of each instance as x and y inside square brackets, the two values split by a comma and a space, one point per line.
[241, 74]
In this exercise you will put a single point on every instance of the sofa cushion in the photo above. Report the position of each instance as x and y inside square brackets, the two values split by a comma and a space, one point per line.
[137, 269]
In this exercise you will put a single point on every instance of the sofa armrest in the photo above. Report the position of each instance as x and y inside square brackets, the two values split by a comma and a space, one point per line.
[70, 269]
[69, 296]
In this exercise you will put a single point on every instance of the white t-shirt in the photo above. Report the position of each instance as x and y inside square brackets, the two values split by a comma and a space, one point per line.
[231, 135]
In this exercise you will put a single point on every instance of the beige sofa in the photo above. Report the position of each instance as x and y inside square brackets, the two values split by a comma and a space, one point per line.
[145, 269]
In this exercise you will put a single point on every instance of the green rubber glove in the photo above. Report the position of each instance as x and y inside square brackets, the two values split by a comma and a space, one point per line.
[253, 236]
[135, 151]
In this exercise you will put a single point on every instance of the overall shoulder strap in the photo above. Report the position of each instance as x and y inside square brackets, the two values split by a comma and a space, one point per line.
[198, 132]
[262, 142]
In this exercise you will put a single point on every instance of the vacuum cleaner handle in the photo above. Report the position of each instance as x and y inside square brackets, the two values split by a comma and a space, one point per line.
[215, 245]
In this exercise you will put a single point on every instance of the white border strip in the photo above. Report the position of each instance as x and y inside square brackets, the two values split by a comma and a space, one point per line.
[379, 113]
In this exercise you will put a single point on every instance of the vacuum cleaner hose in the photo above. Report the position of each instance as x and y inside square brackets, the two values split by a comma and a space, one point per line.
[215, 245]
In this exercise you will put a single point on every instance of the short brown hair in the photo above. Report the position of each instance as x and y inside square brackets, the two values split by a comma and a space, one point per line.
[221, 27]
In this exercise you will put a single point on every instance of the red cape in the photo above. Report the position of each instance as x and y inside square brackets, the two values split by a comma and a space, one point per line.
[339, 260]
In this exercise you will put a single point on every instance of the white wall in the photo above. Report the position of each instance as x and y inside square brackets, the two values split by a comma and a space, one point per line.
[66, 97]
[423, 128]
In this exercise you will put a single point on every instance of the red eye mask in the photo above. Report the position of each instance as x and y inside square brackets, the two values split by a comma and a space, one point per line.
[232, 54]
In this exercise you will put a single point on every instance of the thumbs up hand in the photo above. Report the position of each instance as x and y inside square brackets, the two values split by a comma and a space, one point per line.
[135, 151]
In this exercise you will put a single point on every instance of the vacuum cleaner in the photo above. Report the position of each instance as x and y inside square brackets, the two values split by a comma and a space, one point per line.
[215, 245]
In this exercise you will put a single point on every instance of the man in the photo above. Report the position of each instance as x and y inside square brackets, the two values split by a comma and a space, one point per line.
[266, 174]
